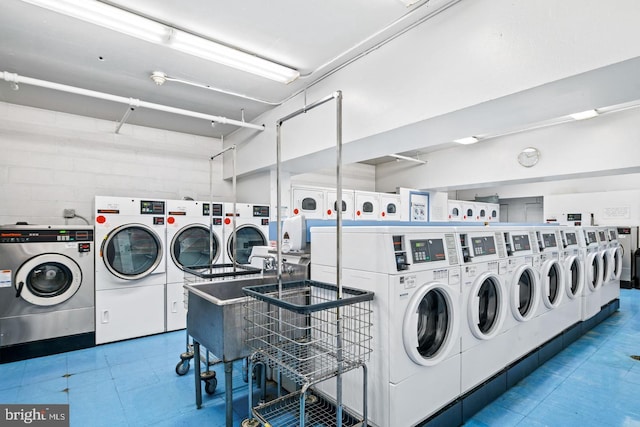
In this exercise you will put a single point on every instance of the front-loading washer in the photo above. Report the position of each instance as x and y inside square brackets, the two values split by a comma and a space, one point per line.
[611, 285]
[414, 272]
[130, 267]
[485, 342]
[594, 271]
[194, 238]
[524, 289]
[551, 318]
[46, 290]
[574, 274]
[251, 229]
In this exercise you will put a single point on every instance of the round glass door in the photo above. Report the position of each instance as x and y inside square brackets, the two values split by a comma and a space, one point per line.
[132, 251]
[191, 246]
[485, 306]
[430, 324]
[248, 237]
[617, 263]
[553, 281]
[48, 279]
[594, 263]
[575, 275]
[524, 293]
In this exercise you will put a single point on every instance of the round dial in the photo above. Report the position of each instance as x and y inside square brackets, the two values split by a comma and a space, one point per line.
[529, 157]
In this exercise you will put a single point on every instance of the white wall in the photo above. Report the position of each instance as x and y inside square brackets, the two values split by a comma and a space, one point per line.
[608, 207]
[474, 53]
[51, 161]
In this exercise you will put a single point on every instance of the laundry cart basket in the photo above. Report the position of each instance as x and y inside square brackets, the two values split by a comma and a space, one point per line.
[308, 333]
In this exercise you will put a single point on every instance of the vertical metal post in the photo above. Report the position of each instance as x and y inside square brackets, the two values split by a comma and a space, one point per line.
[228, 392]
[339, 354]
[235, 198]
[196, 373]
[278, 213]
[211, 215]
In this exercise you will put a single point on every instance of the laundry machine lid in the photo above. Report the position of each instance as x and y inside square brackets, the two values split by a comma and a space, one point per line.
[48, 279]
[132, 251]
[194, 244]
[248, 236]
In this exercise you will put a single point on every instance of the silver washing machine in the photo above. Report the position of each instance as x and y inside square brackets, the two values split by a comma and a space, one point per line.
[47, 292]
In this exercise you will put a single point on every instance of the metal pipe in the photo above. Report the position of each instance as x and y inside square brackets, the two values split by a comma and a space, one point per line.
[12, 77]
[124, 118]
[228, 393]
[235, 198]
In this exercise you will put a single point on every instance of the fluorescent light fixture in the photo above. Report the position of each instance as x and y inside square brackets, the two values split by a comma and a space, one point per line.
[124, 22]
[467, 140]
[589, 114]
[410, 159]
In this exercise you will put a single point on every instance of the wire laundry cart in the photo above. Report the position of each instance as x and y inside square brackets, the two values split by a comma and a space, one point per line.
[307, 333]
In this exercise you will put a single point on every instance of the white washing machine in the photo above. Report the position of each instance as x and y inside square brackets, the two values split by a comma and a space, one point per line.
[485, 342]
[574, 274]
[191, 242]
[367, 206]
[252, 229]
[130, 267]
[390, 208]
[552, 315]
[524, 289]
[613, 254]
[46, 290]
[309, 201]
[348, 206]
[415, 274]
[455, 210]
[594, 271]
[628, 242]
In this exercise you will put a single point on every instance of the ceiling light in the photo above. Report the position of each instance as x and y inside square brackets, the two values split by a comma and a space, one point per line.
[466, 141]
[410, 159]
[146, 29]
[589, 114]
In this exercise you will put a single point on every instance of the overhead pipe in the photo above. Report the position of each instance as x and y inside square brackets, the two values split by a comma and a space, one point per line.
[15, 78]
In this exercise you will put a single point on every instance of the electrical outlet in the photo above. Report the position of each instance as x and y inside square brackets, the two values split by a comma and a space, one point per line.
[69, 213]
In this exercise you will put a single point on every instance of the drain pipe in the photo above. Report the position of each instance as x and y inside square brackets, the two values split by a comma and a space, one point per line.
[15, 78]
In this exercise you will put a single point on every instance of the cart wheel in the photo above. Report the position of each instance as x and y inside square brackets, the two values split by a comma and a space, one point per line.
[210, 386]
[183, 367]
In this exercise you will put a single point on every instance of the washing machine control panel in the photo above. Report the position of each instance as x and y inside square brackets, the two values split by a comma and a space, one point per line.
[152, 207]
[261, 211]
[217, 210]
[40, 236]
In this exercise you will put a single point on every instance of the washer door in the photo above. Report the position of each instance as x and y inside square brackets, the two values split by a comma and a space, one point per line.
[191, 246]
[524, 296]
[594, 271]
[485, 309]
[248, 236]
[607, 265]
[552, 276]
[132, 251]
[48, 279]
[616, 261]
[431, 322]
[574, 270]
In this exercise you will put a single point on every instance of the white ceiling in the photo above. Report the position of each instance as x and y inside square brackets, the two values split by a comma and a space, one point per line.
[312, 37]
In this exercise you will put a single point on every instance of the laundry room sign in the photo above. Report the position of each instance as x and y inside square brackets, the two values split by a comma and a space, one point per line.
[5, 278]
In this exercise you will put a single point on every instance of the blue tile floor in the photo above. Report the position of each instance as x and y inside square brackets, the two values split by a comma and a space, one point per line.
[593, 382]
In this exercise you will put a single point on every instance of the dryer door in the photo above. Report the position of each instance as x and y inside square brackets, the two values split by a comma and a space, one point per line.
[248, 236]
[194, 245]
[48, 279]
[132, 251]
[431, 322]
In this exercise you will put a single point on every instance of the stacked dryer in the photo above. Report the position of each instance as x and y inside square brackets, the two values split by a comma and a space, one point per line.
[130, 267]
[415, 274]
[191, 241]
[485, 340]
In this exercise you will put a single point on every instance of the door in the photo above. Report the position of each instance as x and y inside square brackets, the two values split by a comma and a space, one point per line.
[485, 311]
[524, 297]
[194, 245]
[132, 251]
[594, 271]
[431, 322]
[574, 276]
[48, 279]
[248, 236]
[308, 202]
[552, 276]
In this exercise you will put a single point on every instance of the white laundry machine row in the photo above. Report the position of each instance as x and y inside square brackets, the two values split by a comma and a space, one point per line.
[588, 240]
[46, 290]
[251, 229]
[414, 272]
[130, 267]
[467, 211]
[194, 238]
[485, 337]
[613, 255]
